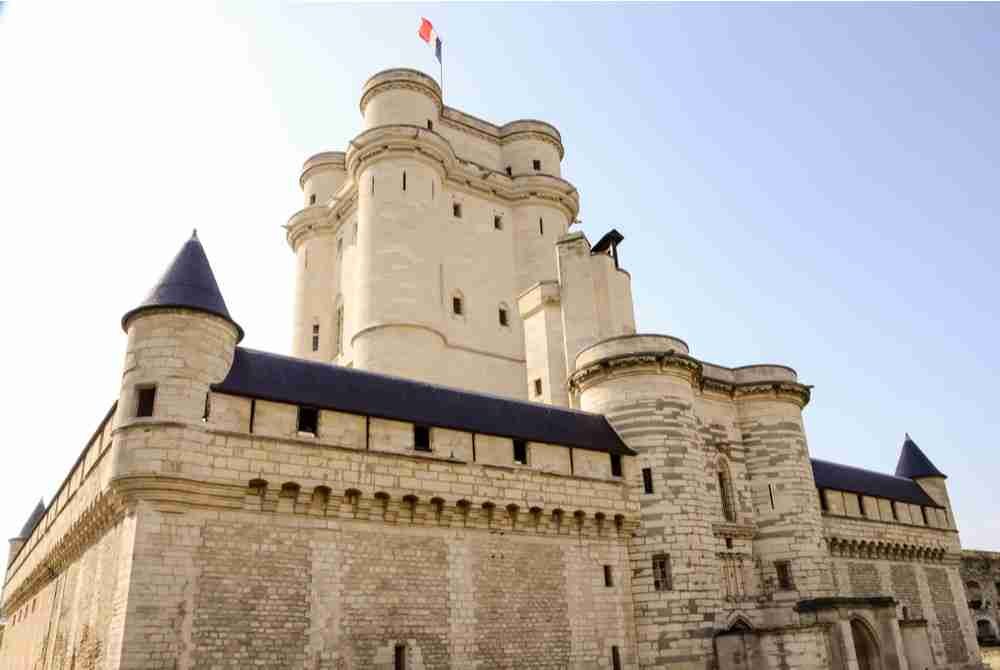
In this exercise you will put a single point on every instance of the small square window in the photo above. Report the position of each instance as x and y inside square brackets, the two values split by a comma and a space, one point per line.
[784, 570]
[497, 222]
[608, 577]
[616, 465]
[308, 420]
[538, 387]
[421, 438]
[537, 164]
[456, 210]
[663, 580]
[729, 543]
[502, 316]
[146, 398]
[456, 305]
[647, 480]
[510, 171]
[520, 452]
[430, 125]
[312, 199]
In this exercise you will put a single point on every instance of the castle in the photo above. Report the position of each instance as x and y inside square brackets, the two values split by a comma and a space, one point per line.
[471, 459]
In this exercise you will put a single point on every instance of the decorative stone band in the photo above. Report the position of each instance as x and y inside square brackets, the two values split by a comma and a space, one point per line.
[103, 513]
[890, 551]
[400, 79]
[737, 530]
[846, 602]
[688, 368]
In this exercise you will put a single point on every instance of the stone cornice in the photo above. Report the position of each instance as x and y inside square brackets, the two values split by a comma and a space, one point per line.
[689, 368]
[891, 551]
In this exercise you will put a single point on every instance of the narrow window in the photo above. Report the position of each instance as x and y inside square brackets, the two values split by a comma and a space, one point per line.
[784, 570]
[923, 512]
[728, 513]
[520, 452]
[510, 172]
[312, 199]
[537, 164]
[400, 657]
[432, 189]
[616, 465]
[541, 226]
[146, 398]
[456, 210]
[355, 232]
[456, 305]
[906, 612]
[373, 184]
[823, 505]
[770, 492]
[208, 407]
[647, 480]
[616, 658]
[538, 387]
[662, 578]
[404, 180]
[502, 316]
[421, 438]
[729, 543]
[340, 247]
[430, 125]
[308, 420]
[339, 329]
[861, 505]
[497, 222]
[608, 578]
[315, 337]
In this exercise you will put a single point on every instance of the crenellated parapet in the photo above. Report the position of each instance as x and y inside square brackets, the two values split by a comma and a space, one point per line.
[662, 354]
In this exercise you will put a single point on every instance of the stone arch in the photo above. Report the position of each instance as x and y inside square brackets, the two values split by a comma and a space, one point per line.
[985, 629]
[739, 623]
[866, 646]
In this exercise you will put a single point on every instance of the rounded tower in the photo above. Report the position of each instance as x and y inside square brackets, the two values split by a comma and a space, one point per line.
[181, 339]
[403, 212]
[644, 385]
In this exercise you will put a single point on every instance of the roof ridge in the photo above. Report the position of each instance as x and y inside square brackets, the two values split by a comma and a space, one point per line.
[856, 467]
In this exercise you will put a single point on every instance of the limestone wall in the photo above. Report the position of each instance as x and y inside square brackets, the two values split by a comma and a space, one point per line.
[238, 589]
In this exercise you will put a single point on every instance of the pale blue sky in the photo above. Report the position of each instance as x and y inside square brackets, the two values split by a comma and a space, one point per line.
[812, 185]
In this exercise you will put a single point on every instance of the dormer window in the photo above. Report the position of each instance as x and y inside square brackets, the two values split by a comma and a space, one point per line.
[421, 438]
[520, 452]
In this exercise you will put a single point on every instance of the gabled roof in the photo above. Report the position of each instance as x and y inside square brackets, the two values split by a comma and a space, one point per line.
[267, 376]
[33, 520]
[876, 484]
[188, 283]
[913, 463]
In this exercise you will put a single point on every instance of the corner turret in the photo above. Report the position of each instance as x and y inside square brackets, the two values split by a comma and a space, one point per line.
[181, 339]
[17, 542]
[914, 464]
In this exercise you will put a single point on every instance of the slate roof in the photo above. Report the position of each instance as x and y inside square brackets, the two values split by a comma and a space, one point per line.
[33, 520]
[913, 463]
[189, 283]
[857, 480]
[267, 376]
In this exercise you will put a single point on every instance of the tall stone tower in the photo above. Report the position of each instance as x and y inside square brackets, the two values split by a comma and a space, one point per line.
[416, 244]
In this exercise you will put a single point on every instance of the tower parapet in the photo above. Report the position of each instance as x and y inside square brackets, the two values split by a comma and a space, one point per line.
[400, 96]
[322, 177]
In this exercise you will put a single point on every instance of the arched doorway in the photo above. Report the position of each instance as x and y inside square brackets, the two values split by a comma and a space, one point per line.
[865, 646]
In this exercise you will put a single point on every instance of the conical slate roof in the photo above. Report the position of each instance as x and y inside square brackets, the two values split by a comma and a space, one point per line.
[33, 520]
[914, 464]
[188, 283]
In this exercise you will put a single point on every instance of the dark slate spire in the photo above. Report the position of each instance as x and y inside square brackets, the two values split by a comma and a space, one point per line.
[913, 464]
[188, 283]
[33, 520]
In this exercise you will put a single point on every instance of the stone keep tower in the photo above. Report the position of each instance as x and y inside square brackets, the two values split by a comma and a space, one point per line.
[416, 245]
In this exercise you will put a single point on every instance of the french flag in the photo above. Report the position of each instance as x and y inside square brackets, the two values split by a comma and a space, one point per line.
[428, 35]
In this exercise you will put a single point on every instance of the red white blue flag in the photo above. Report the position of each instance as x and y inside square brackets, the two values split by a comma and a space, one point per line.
[428, 35]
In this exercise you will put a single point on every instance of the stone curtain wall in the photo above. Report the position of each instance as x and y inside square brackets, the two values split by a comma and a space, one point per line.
[238, 589]
[75, 622]
[946, 613]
